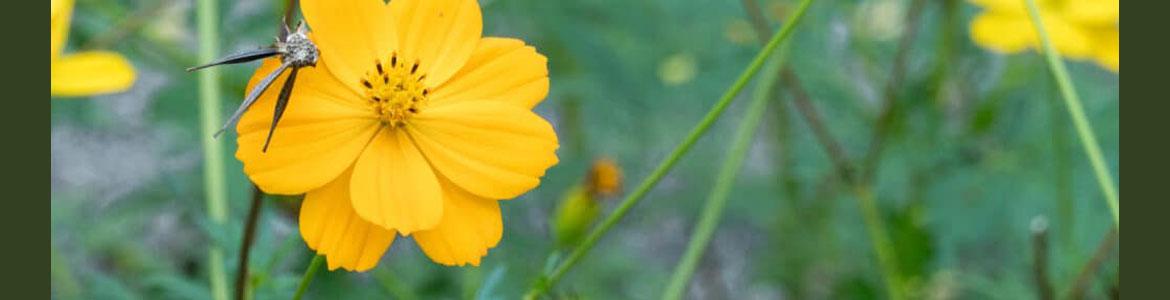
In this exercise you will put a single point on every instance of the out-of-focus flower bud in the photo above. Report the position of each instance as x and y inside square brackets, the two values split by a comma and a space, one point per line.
[580, 206]
[605, 178]
[576, 213]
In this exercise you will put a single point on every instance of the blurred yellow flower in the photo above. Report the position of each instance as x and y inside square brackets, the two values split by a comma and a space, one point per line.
[85, 73]
[605, 178]
[580, 205]
[411, 123]
[1079, 29]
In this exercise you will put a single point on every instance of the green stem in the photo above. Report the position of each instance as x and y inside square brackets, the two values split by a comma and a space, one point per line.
[1073, 102]
[214, 183]
[308, 277]
[874, 225]
[242, 287]
[882, 245]
[545, 283]
[717, 200]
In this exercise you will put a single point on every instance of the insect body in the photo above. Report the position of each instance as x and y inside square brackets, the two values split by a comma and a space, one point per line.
[296, 51]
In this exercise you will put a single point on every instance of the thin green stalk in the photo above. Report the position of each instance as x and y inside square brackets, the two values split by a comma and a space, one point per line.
[214, 183]
[713, 210]
[874, 225]
[308, 277]
[1090, 269]
[882, 246]
[1073, 102]
[545, 283]
[242, 288]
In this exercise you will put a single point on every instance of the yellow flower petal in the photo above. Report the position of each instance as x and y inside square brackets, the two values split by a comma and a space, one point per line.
[330, 226]
[500, 69]
[1010, 33]
[1069, 38]
[351, 35]
[440, 34]
[90, 73]
[1003, 6]
[393, 186]
[1108, 52]
[1099, 12]
[58, 6]
[1002, 32]
[491, 149]
[61, 12]
[470, 226]
[324, 128]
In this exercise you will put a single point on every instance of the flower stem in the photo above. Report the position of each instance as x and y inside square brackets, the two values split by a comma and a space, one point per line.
[889, 104]
[1084, 278]
[717, 200]
[308, 277]
[875, 228]
[214, 183]
[816, 124]
[1040, 258]
[246, 243]
[547, 282]
[1073, 102]
[882, 246]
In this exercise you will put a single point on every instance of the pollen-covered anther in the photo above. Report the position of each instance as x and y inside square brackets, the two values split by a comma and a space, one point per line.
[395, 90]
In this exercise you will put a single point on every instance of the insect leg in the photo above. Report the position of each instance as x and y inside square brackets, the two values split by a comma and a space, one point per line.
[239, 58]
[252, 96]
[281, 104]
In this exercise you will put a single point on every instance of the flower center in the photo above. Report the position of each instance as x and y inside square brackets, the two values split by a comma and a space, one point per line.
[395, 90]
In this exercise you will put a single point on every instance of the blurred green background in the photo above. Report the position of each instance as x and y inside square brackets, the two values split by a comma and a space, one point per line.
[980, 144]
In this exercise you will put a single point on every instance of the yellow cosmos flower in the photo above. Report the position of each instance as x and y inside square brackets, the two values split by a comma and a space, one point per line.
[85, 73]
[1079, 29]
[411, 123]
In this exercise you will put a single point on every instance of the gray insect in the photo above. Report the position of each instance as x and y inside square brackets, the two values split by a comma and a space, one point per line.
[296, 51]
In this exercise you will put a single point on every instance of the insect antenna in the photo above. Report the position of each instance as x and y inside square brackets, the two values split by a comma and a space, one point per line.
[283, 30]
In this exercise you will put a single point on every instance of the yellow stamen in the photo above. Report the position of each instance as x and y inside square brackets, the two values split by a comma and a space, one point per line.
[395, 90]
